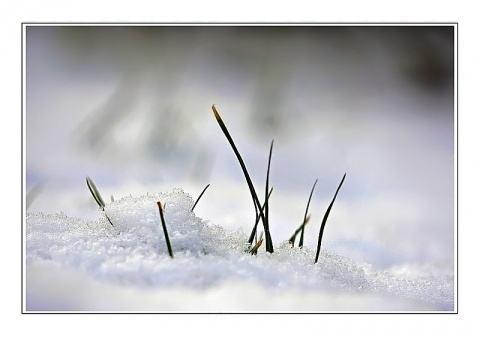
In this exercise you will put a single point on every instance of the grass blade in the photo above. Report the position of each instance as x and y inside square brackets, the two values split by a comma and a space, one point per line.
[33, 194]
[300, 244]
[304, 223]
[98, 198]
[257, 219]
[105, 213]
[256, 202]
[268, 238]
[167, 240]
[96, 195]
[324, 221]
[196, 202]
[254, 250]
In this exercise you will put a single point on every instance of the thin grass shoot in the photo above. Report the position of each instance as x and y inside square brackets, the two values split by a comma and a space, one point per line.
[198, 199]
[164, 226]
[98, 198]
[294, 236]
[324, 221]
[300, 244]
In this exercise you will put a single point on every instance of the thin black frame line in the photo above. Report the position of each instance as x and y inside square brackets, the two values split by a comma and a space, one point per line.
[247, 24]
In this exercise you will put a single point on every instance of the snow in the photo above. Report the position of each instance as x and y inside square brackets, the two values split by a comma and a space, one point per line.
[134, 114]
[74, 264]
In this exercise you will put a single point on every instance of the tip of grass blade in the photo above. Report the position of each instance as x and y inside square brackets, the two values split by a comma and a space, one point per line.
[294, 236]
[98, 198]
[198, 199]
[95, 193]
[254, 250]
[215, 112]
[300, 244]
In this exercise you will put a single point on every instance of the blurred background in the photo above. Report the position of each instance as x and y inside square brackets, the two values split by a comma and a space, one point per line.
[131, 107]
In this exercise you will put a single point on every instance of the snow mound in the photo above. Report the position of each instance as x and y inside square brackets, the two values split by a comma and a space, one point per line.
[74, 264]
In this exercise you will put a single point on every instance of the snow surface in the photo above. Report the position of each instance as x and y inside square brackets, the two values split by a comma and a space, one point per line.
[74, 264]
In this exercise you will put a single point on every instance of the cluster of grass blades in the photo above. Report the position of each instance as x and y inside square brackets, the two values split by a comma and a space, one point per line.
[258, 243]
[258, 207]
[261, 211]
[98, 198]
[306, 219]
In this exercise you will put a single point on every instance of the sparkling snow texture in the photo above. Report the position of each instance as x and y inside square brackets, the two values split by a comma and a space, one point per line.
[74, 264]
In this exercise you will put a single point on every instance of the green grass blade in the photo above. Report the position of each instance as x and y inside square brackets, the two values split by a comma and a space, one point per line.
[167, 240]
[108, 219]
[237, 154]
[300, 244]
[98, 198]
[324, 221]
[198, 199]
[257, 219]
[96, 195]
[244, 170]
[293, 237]
[268, 238]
